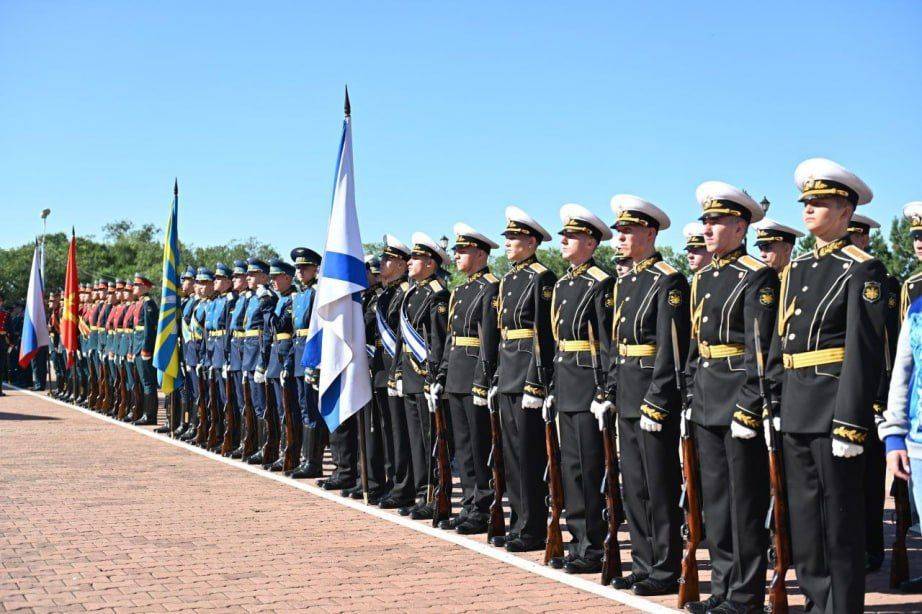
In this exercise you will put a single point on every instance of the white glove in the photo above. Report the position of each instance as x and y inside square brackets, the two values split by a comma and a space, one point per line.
[391, 390]
[399, 387]
[546, 407]
[479, 401]
[259, 376]
[598, 410]
[530, 402]
[283, 375]
[738, 431]
[846, 450]
[649, 425]
[491, 397]
[436, 391]
[686, 417]
[431, 402]
[245, 374]
[224, 370]
[776, 422]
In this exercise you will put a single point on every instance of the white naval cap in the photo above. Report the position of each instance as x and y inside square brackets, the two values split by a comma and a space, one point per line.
[772, 231]
[694, 234]
[913, 212]
[819, 177]
[862, 224]
[517, 221]
[466, 235]
[423, 245]
[577, 218]
[395, 248]
[719, 198]
[630, 209]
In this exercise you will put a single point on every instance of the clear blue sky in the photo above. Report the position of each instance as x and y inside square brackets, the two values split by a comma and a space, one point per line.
[458, 109]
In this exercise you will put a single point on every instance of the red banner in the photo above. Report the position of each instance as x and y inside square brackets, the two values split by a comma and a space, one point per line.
[70, 307]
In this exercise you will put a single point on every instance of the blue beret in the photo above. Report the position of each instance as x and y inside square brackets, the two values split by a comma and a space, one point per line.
[222, 270]
[255, 265]
[304, 255]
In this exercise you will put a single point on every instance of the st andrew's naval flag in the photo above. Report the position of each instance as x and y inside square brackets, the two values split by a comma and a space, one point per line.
[34, 325]
[336, 341]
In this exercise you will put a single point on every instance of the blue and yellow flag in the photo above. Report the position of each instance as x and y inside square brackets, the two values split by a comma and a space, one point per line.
[166, 347]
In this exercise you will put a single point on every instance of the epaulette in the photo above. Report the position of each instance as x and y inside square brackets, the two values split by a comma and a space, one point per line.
[404, 285]
[490, 277]
[664, 267]
[914, 277]
[753, 264]
[856, 253]
[436, 285]
[537, 267]
[597, 274]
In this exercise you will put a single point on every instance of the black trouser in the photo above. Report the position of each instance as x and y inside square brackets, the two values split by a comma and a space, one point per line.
[418, 427]
[826, 507]
[875, 493]
[40, 368]
[344, 449]
[582, 468]
[404, 486]
[735, 496]
[525, 457]
[651, 478]
[3, 352]
[378, 451]
[471, 429]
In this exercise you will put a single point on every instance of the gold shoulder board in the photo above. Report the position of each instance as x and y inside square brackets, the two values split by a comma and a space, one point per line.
[436, 285]
[597, 273]
[664, 267]
[490, 277]
[856, 253]
[537, 267]
[753, 264]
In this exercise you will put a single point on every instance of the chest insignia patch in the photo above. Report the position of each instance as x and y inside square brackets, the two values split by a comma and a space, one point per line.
[674, 298]
[767, 297]
[871, 292]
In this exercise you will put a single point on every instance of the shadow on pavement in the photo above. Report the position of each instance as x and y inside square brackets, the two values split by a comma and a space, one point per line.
[10, 416]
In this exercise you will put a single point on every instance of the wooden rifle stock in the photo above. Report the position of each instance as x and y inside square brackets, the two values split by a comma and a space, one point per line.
[103, 401]
[230, 417]
[214, 412]
[614, 508]
[122, 407]
[273, 430]
[137, 411]
[292, 439]
[899, 562]
[249, 421]
[201, 407]
[554, 546]
[497, 524]
[441, 499]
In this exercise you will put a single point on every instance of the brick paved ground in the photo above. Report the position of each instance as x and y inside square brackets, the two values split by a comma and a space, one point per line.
[93, 516]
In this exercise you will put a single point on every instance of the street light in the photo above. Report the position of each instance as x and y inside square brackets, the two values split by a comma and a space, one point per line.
[765, 204]
[444, 242]
[44, 215]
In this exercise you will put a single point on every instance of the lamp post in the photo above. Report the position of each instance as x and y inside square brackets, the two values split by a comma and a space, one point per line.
[443, 241]
[44, 215]
[765, 204]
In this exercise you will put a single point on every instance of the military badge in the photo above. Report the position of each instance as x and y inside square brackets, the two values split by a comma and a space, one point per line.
[674, 298]
[609, 301]
[891, 302]
[495, 302]
[767, 297]
[442, 308]
[547, 292]
[871, 292]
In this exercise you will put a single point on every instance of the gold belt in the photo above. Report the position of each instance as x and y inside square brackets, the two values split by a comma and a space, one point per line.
[517, 333]
[574, 345]
[196, 336]
[721, 351]
[466, 342]
[238, 334]
[282, 336]
[814, 358]
[643, 349]
[138, 329]
[302, 332]
[216, 333]
[251, 333]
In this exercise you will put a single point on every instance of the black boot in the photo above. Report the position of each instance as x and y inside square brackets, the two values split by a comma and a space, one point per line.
[312, 460]
[257, 458]
[191, 432]
[149, 405]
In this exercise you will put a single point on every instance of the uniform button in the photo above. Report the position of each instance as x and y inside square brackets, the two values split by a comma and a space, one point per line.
[624, 340]
[797, 312]
[505, 310]
[716, 273]
[911, 286]
[509, 294]
[815, 264]
[515, 277]
[627, 298]
[804, 289]
[633, 278]
[704, 319]
[741, 274]
[845, 266]
[794, 266]
[456, 317]
[705, 364]
[708, 295]
[571, 283]
[563, 302]
[560, 359]
[623, 319]
[791, 336]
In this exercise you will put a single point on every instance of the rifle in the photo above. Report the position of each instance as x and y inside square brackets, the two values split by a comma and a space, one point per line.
[614, 509]
[249, 421]
[201, 407]
[271, 447]
[103, 404]
[230, 417]
[497, 525]
[122, 408]
[902, 513]
[777, 593]
[293, 433]
[214, 413]
[441, 497]
[92, 398]
[691, 488]
[137, 412]
[554, 547]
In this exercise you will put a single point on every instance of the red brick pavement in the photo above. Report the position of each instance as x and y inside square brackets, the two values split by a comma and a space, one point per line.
[93, 516]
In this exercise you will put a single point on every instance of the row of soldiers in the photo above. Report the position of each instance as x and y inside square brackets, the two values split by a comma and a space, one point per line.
[792, 346]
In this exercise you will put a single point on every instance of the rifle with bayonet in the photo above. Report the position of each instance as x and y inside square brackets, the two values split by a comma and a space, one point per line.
[777, 592]
[611, 488]
[554, 546]
[497, 525]
[689, 589]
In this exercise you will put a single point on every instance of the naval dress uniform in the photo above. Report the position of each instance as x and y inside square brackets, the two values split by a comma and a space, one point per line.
[827, 358]
[912, 287]
[378, 452]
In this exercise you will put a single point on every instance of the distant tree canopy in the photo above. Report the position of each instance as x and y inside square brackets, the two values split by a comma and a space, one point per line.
[125, 249]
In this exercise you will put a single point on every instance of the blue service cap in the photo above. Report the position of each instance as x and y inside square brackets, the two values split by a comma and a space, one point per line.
[277, 266]
[189, 274]
[240, 267]
[222, 270]
[304, 255]
[255, 265]
[204, 274]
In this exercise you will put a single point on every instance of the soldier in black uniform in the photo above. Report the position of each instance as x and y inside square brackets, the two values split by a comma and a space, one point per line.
[648, 302]
[423, 319]
[827, 359]
[912, 287]
[729, 296]
[519, 390]
[394, 282]
[467, 362]
[696, 251]
[581, 305]
[775, 243]
[145, 334]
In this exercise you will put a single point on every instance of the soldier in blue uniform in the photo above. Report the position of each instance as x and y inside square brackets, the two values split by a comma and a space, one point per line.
[145, 334]
[314, 429]
[216, 337]
[204, 289]
[256, 336]
[236, 305]
[188, 391]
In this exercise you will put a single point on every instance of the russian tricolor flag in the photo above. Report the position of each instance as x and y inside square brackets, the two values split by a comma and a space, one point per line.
[34, 324]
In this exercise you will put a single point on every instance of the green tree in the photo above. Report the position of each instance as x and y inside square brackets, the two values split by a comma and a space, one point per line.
[676, 259]
[901, 261]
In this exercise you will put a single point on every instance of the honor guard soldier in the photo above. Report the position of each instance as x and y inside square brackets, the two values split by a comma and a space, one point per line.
[729, 296]
[314, 429]
[216, 318]
[467, 366]
[859, 231]
[278, 361]
[648, 302]
[581, 315]
[126, 344]
[93, 342]
[623, 265]
[188, 391]
[145, 335]
[234, 346]
[394, 258]
[196, 357]
[831, 319]
[520, 387]
[775, 242]
[256, 336]
[423, 321]
[696, 251]
[912, 287]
